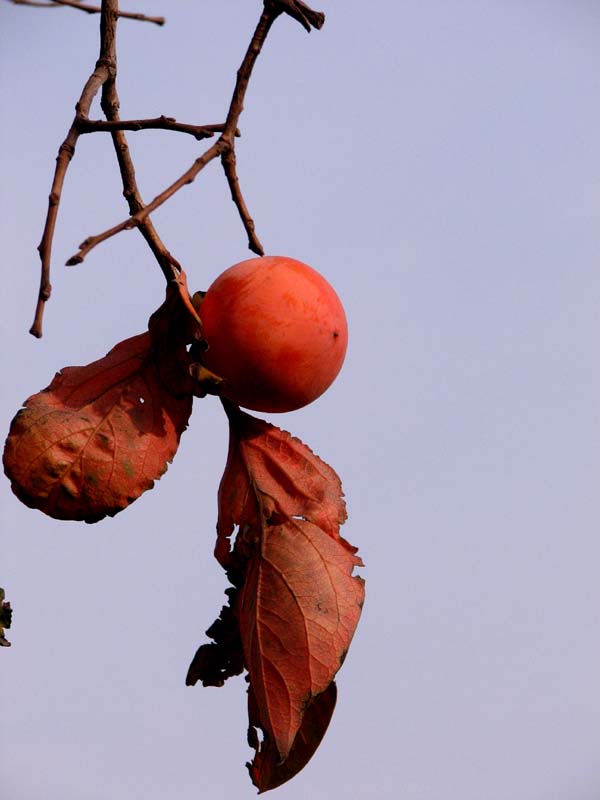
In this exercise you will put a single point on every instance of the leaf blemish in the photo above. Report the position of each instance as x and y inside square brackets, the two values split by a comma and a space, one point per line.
[128, 469]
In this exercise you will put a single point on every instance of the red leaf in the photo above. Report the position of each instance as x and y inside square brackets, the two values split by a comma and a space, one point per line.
[100, 435]
[299, 605]
[292, 480]
[297, 614]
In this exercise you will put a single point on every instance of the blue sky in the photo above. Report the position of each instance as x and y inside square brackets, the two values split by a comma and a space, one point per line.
[440, 164]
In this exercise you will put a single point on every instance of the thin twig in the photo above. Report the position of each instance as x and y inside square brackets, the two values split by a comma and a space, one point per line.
[138, 218]
[225, 146]
[156, 123]
[110, 106]
[228, 161]
[123, 14]
[88, 9]
[65, 154]
[32, 3]
[102, 73]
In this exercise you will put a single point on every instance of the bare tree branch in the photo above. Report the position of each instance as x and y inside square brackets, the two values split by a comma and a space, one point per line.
[228, 161]
[138, 218]
[105, 76]
[110, 105]
[155, 123]
[105, 67]
[33, 3]
[223, 145]
[87, 8]
[65, 154]
[123, 14]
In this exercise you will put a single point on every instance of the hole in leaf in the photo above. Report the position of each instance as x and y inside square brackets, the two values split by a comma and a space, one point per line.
[142, 400]
[233, 537]
[253, 737]
[258, 734]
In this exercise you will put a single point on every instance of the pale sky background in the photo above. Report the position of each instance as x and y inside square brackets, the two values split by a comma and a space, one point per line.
[439, 162]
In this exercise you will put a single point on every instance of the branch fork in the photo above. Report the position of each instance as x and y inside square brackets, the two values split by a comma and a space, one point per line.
[104, 78]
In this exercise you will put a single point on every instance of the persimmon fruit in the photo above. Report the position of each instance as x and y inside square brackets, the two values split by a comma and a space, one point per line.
[276, 333]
